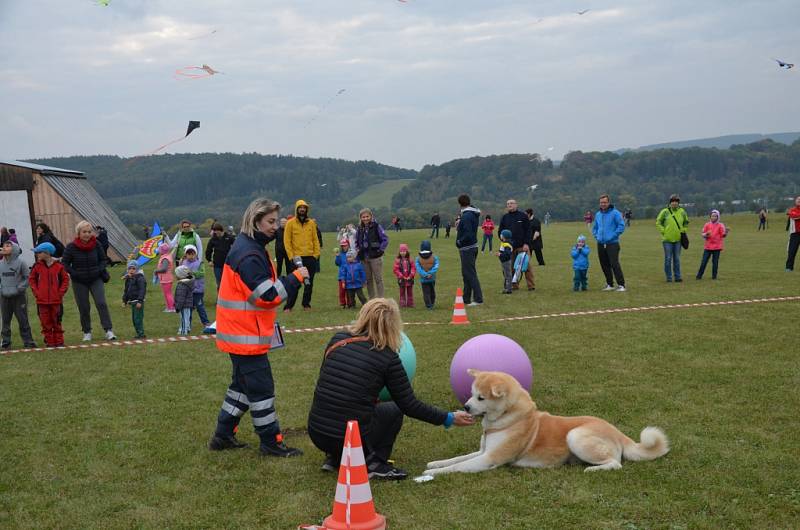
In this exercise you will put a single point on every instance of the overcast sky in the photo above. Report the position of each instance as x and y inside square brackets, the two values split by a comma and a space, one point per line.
[425, 81]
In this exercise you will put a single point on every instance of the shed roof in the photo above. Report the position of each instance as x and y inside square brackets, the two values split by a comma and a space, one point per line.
[91, 206]
[44, 170]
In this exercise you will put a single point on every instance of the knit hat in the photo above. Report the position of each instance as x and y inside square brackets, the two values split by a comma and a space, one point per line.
[425, 249]
[163, 249]
[45, 247]
[716, 212]
[581, 238]
[187, 248]
[182, 272]
[351, 254]
[505, 234]
[133, 263]
[403, 248]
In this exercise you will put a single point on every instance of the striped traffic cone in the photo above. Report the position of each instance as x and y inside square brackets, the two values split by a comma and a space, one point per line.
[353, 508]
[459, 311]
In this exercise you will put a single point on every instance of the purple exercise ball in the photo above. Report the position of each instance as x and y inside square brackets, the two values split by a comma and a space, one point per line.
[489, 352]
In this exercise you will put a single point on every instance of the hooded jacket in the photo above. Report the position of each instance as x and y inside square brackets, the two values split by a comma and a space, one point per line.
[580, 258]
[467, 230]
[352, 274]
[49, 283]
[371, 240]
[14, 273]
[670, 228]
[300, 236]
[608, 225]
[427, 265]
[135, 288]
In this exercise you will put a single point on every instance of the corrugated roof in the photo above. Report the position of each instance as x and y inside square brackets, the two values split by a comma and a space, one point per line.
[91, 206]
[44, 170]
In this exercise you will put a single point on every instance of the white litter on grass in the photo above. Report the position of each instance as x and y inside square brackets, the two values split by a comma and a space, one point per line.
[423, 478]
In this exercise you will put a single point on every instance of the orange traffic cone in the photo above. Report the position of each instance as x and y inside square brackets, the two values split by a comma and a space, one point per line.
[353, 508]
[459, 311]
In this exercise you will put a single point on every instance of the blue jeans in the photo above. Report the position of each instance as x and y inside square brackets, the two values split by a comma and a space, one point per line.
[580, 280]
[714, 255]
[218, 276]
[201, 308]
[672, 259]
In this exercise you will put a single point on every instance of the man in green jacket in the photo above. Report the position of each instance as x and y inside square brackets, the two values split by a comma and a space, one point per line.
[672, 221]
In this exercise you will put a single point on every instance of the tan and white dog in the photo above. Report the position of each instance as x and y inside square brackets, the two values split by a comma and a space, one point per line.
[515, 432]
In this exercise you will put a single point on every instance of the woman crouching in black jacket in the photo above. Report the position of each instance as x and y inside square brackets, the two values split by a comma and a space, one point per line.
[358, 363]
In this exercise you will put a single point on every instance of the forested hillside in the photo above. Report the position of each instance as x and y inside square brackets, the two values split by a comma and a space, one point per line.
[751, 173]
[200, 186]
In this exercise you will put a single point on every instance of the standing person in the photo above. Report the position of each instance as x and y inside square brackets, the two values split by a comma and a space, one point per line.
[467, 245]
[86, 262]
[519, 225]
[45, 235]
[762, 219]
[587, 218]
[793, 218]
[184, 298]
[352, 276]
[371, 243]
[672, 221]
[405, 271]
[447, 228]
[102, 237]
[300, 240]
[341, 259]
[580, 264]
[628, 217]
[427, 265]
[49, 283]
[547, 219]
[608, 226]
[186, 236]
[358, 363]
[164, 276]
[14, 273]
[280, 250]
[217, 250]
[4, 235]
[713, 232]
[12, 235]
[435, 222]
[488, 231]
[133, 295]
[536, 244]
[505, 253]
[195, 264]
[249, 282]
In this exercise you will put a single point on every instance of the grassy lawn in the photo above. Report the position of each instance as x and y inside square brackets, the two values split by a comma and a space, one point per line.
[380, 195]
[115, 437]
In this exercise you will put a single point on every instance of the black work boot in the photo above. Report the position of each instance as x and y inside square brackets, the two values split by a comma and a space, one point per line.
[276, 447]
[221, 443]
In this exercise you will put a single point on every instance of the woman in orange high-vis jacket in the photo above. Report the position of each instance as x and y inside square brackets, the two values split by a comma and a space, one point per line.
[249, 295]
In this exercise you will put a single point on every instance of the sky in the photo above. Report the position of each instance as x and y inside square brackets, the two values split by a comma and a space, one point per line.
[425, 81]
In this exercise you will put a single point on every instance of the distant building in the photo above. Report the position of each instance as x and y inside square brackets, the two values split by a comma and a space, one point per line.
[30, 193]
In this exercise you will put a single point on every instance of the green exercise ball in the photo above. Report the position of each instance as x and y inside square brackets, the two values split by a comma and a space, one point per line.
[409, 359]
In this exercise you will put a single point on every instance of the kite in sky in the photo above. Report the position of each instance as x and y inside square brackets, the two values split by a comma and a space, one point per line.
[203, 35]
[194, 72]
[582, 12]
[532, 187]
[784, 65]
[192, 126]
[322, 109]
[103, 3]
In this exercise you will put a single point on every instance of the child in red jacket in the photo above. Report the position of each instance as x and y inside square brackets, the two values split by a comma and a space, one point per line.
[49, 282]
[405, 271]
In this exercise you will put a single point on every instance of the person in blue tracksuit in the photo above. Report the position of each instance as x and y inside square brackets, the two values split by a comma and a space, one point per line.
[580, 264]
[607, 227]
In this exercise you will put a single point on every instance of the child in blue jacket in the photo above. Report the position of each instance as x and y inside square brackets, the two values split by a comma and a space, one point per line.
[354, 276]
[580, 264]
[427, 266]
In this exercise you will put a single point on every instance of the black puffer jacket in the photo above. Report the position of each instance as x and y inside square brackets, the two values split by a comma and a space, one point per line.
[85, 266]
[349, 383]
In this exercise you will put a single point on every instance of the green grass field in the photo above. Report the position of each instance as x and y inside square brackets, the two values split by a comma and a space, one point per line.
[116, 437]
[380, 195]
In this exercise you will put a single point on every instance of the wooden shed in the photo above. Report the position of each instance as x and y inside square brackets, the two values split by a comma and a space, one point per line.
[30, 193]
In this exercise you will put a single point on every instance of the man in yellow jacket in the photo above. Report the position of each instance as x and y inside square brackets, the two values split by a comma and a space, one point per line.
[300, 240]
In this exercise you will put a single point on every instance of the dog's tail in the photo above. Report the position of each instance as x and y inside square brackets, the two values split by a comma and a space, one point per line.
[653, 444]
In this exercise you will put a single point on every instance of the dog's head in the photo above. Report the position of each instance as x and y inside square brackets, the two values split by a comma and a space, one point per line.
[493, 393]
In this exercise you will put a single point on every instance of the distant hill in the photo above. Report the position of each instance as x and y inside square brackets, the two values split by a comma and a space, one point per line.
[719, 142]
[170, 187]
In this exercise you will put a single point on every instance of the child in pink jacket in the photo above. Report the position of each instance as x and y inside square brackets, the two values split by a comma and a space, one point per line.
[163, 272]
[713, 232]
[404, 271]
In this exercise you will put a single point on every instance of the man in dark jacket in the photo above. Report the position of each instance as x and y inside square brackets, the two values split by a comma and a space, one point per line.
[467, 245]
[217, 249]
[280, 250]
[536, 244]
[520, 227]
[435, 222]
[102, 238]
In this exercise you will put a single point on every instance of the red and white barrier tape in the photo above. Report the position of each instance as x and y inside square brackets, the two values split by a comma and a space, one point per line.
[189, 338]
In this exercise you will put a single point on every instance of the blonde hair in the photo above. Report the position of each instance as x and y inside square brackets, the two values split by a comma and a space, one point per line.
[379, 320]
[363, 211]
[80, 226]
[255, 212]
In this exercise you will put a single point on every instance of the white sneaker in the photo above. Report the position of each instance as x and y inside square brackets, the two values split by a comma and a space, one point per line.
[608, 288]
[110, 335]
[473, 304]
[87, 337]
[621, 289]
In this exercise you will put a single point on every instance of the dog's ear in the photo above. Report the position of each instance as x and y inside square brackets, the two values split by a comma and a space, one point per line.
[473, 372]
[499, 390]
